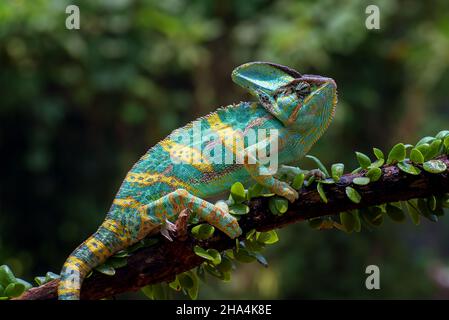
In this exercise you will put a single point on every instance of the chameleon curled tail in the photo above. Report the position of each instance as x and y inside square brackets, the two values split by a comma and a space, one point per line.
[108, 239]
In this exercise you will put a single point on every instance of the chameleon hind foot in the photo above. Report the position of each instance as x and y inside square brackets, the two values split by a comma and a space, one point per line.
[181, 199]
[317, 173]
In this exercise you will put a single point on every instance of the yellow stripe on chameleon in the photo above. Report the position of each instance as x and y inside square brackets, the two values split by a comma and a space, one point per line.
[127, 202]
[76, 263]
[73, 290]
[95, 246]
[232, 139]
[117, 228]
[148, 179]
[186, 154]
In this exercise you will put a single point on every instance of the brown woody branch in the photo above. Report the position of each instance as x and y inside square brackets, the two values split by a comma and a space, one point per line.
[164, 260]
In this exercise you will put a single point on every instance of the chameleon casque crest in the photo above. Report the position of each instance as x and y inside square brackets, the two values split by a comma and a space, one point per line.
[156, 190]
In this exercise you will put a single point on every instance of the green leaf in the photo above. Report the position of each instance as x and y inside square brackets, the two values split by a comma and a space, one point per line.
[39, 280]
[117, 262]
[327, 181]
[353, 195]
[278, 205]
[363, 160]
[121, 254]
[416, 156]
[395, 213]
[225, 265]
[281, 204]
[413, 212]
[298, 181]
[361, 181]
[51, 276]
[159, 292]
[14, 289]
[425, 140]
[255, 191]
[203, 253]
[408, 168]
[425, 211]
[374, 174]
[374, 216]
[148, 291]
[239, 209]
[268, 237]
[185, 281]
[358, 225]
[434, 149]
[442, 134]
[396, 154]
[6, 276]
[320, 190]
[203, 231]
[434, 166]
[446, 143]
[105, 269]
[424, 149]
[348, 221]
[244, 256]
[26, 284]
[238, 192]
[193, 292]
[377, 164]
[216, 256]
[378, 153]
[175, 284]
[337, 170]
[319, 164]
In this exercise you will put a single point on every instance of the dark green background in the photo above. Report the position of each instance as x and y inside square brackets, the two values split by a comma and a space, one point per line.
[78, 107]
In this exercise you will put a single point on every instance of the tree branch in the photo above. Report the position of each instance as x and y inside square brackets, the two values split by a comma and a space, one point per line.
[164, 260]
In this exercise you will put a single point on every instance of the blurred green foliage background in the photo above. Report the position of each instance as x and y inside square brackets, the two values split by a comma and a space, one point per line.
[78, 107]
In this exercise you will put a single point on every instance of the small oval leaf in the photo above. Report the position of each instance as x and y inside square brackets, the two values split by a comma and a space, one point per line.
[203, 231]
[337, 170]
[363, 160]
[374, 174]
[238, 192]
[434, 166]
[408, 168]
[353, 195]
[395, 213]
[378, 153]
[321, 192]
[397, 153]
[361, 181]
[416, 156]
[298, 181]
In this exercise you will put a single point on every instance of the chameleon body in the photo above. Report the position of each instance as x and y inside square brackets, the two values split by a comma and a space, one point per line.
[157, 188]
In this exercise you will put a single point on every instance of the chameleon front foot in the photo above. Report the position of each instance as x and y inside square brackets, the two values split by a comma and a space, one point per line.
[316, 173]
[286, 191]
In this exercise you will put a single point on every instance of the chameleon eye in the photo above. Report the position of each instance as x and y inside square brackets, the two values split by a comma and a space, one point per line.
[302, 89]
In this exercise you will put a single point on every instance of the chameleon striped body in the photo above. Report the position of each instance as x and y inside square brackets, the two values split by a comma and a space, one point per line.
[157, 189]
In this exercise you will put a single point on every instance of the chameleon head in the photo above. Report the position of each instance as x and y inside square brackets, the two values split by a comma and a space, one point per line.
[304, 102]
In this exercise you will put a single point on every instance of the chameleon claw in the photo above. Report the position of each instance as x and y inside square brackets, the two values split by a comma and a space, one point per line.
[167, 228]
